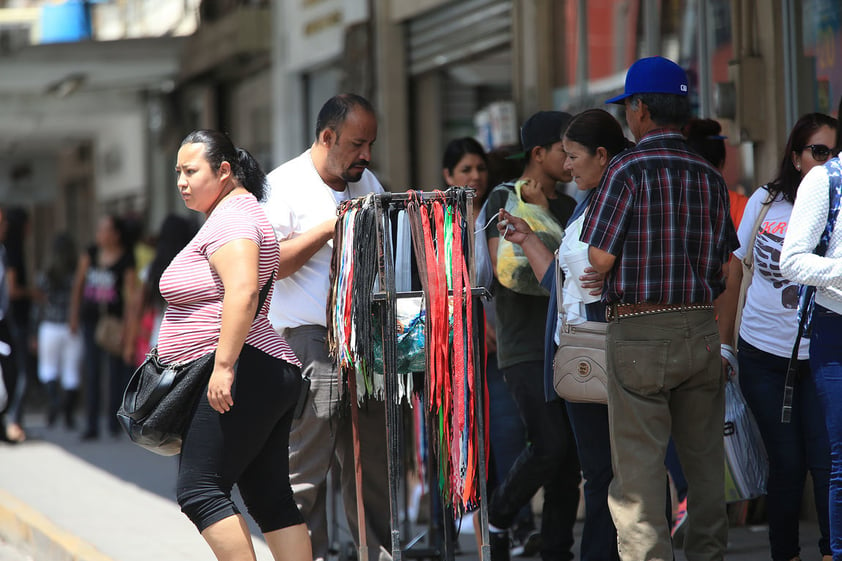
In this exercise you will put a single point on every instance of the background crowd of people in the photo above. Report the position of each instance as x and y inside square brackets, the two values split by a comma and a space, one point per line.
[91, 314]
[57, 357]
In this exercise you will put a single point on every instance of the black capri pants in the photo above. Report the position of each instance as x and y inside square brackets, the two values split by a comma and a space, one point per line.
[248, 445]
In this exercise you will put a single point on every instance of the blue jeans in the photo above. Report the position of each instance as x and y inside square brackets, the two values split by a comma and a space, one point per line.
[793, 448]
[507, 435]
[826, 363]
[548, 461]
[590, 427]
[674, 468]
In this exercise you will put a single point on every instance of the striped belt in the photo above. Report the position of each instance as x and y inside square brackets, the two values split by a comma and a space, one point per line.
[617, 311]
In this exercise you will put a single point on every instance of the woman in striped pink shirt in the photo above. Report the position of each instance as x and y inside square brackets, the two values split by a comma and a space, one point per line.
[240, 433]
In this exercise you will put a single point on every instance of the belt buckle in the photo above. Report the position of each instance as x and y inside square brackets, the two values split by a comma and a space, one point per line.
[610, 312]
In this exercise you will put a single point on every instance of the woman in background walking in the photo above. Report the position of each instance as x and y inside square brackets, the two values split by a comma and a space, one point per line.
[59, 349]
[104, 284]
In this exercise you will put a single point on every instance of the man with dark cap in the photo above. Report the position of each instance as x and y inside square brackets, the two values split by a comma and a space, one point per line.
[659, 228]
[549, 459]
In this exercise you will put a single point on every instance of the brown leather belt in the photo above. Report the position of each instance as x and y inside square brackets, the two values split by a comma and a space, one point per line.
[617, 311]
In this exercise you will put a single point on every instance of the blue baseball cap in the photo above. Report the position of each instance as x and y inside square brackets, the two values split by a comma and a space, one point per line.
[653, 75]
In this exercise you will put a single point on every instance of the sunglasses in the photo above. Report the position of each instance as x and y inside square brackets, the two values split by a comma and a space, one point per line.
[820, 152]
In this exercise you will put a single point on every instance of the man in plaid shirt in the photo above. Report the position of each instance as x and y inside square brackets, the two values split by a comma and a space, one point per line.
[659, 228]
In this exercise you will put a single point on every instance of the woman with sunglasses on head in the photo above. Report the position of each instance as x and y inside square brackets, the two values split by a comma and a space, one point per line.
[800, 264]
[766, 336]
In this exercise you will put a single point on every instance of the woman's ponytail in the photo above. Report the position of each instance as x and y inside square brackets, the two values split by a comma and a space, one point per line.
[250, 174]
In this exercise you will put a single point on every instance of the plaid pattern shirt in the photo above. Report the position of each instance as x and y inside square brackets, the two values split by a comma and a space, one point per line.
[663, 211]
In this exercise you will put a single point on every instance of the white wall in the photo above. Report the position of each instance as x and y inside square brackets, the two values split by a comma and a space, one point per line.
[144, 18]
[119, 155]
[115, 124]
[251, 103]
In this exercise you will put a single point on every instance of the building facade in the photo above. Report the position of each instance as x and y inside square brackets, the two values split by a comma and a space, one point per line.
[755, 65]
[95, 105]
[80, 108]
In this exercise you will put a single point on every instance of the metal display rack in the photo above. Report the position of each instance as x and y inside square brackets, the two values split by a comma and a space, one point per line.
[385, 301]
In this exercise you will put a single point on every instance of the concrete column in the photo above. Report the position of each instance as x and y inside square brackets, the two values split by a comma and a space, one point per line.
[427, 126]
[391, 159]
[161, 194]
[532, 55]
[759, 77]
[651, 28]
[287, 100]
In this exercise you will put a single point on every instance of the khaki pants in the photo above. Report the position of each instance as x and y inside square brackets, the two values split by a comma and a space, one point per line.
[323, 435]
[665, 378]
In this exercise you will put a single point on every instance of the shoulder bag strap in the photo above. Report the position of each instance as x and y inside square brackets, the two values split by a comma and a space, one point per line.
[748, 266]
[264, 294]
[563, 326]
[748, 260]
[807, 293]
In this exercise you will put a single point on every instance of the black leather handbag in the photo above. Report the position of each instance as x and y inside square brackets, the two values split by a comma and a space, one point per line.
[160, 399]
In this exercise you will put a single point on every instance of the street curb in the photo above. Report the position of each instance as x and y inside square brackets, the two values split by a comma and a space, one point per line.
[25, 527]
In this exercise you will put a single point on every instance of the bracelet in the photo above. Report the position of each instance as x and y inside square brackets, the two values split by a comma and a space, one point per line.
[727, 347]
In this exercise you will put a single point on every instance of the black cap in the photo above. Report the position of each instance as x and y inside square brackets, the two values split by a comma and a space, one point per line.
[541, 129]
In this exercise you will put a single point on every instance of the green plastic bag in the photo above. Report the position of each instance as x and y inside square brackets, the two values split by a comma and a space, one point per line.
[513, 269]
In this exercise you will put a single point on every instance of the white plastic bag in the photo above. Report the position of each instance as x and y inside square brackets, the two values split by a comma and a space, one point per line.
[746, 462]
[482, 260]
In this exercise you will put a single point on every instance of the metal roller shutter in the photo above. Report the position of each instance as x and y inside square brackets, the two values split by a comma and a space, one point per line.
[458, 31]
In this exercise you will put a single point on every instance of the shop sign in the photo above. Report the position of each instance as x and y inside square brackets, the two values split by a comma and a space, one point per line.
[315, 29]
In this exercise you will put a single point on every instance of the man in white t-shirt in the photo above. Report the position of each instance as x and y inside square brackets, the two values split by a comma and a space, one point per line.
[301, 206]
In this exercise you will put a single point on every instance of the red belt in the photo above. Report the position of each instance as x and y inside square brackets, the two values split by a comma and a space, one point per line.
[617, 311]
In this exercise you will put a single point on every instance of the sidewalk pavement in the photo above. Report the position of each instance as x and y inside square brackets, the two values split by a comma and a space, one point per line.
[109, 500]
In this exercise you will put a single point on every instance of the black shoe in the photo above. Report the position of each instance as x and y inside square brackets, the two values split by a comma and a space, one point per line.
[52, 415]
[69, 407]
[89, 435]
[529, 547]
[521, 530]
[54, 403]
[499, 542]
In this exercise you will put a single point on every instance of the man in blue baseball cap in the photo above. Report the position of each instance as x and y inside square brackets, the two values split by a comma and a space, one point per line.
[653, 75]
[659, 228]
